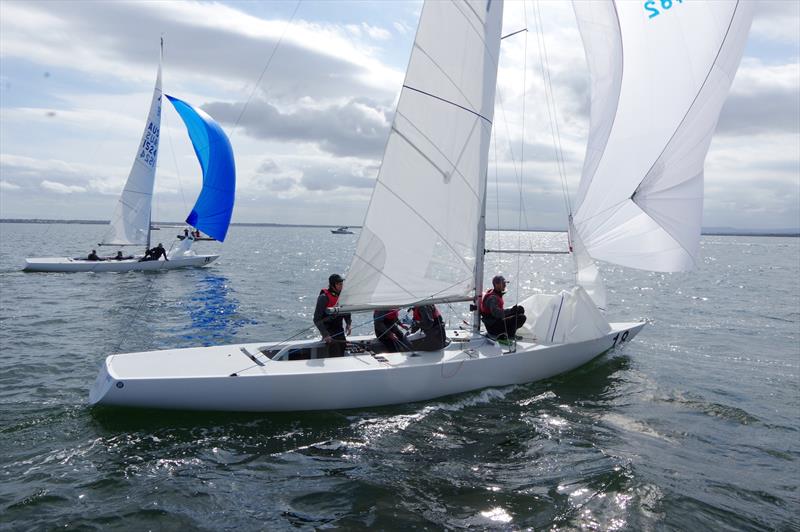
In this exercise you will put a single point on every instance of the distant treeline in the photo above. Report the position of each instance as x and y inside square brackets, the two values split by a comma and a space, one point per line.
[715, 231]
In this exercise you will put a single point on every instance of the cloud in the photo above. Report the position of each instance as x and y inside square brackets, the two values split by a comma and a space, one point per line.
[5, 185]
[324, 179]
[777, 21]
[358, 127]
[763, 98]
[61, 188]
[208, 44]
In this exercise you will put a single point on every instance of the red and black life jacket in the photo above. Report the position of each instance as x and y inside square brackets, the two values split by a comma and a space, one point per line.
[332, 299]
[484, 307]
[437, 316]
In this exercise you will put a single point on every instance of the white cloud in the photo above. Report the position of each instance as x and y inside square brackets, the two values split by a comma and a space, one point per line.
[5, 185]
[777, 21]
[61, 188]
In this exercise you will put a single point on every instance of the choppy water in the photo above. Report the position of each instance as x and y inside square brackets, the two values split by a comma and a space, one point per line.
[694, 425]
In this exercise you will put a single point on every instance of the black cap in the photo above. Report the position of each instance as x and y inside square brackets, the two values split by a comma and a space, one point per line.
[498, 279]
[335, 278]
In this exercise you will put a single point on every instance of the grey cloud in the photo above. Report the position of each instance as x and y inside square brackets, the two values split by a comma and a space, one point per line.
[329, 179]
[746, 114]
[130, 31]
[345, 130]
[282, 184]
[268, 167]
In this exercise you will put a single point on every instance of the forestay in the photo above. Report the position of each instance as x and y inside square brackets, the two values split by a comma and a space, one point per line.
[212, 212]
[659, 78]
[419, 239]
[130, 224]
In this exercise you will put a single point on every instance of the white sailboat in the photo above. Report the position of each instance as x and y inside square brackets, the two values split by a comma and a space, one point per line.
[131, 222]
[433, 177]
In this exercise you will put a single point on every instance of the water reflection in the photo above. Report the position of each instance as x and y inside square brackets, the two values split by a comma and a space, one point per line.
[214, 311]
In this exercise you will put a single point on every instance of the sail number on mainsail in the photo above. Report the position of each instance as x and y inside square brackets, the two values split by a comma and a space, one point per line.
[650, 6]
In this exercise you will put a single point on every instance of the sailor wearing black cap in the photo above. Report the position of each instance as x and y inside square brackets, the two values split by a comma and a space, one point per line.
[500, 321]
[332, 326]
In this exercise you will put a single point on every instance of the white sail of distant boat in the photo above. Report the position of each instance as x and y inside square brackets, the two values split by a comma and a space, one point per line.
[433, 177]
[131, 223]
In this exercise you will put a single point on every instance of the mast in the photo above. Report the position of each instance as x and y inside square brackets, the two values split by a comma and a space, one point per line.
[479, 248]
[150, 213]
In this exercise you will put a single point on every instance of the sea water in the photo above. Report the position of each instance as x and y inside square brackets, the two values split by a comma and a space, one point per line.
[693, 425]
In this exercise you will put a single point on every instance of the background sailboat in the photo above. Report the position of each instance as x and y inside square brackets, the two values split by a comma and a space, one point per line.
[433, 177]
[131, 223]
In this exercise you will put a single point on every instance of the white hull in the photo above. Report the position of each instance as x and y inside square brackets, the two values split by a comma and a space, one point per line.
[242, 378]
[66, 264]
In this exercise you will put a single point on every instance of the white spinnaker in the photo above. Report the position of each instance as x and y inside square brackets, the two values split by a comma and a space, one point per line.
[130, 224]
[658, 85]
[586, 273]
[420, 237]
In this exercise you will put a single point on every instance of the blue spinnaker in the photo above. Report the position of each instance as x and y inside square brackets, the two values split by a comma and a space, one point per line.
[211, 213]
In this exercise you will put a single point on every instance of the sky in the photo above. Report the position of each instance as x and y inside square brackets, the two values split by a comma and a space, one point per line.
[306, 91]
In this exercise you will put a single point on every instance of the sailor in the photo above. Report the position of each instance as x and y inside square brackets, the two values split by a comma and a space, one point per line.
[389, 330]
[93, 255]
[158, 252]
[427, 329]
[332, 325]
[500, 322]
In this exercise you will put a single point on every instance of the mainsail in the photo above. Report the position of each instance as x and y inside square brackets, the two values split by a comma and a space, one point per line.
[659, 77]
[130, 224]
[212, 212]
[419, 239]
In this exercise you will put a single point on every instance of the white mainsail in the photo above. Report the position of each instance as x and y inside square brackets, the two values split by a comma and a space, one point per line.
[419, 240]
[659, 79]
[130, 224]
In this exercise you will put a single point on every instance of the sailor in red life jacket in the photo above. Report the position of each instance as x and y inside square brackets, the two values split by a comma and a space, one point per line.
[500, 322]
[331, 326]
[389, 330]
[427, 330]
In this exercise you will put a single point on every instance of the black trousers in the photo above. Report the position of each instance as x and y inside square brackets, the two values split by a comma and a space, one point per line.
[514, 319]
[338, 344]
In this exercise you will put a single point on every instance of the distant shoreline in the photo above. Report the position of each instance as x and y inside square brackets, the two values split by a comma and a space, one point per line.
[706, 232]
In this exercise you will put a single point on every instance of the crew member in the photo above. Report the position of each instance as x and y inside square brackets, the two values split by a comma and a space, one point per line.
[500, 322]
[427, 329]
[332, 325]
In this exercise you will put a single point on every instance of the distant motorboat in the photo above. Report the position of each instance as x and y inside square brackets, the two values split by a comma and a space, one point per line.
[344, 230]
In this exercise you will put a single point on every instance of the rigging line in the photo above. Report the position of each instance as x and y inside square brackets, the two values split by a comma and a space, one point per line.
[175, 161]
[163, 115]
[135, 317]
[549, 99]
[552, 103]
[521, 159]
[514, 33]
[547, 85]
[266, 66]
[447, 101]
[496, 198]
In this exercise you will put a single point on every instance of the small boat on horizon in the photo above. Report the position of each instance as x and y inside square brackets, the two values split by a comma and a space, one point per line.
[343, 230]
